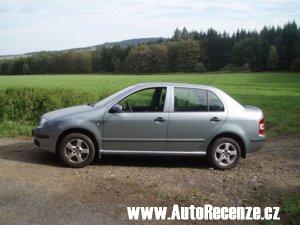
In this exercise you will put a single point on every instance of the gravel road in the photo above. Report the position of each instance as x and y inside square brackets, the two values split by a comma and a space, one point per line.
[35, 188]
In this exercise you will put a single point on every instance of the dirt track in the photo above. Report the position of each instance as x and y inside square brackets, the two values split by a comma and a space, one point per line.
[36, 189]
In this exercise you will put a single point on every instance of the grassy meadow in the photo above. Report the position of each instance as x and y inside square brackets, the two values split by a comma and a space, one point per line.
[277, 94]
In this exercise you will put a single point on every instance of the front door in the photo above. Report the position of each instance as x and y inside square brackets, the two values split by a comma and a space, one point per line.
[197, 114]
[142, 124]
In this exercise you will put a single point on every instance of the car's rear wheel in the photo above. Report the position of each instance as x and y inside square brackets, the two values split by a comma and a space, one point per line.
[76, 150]
[224, 153]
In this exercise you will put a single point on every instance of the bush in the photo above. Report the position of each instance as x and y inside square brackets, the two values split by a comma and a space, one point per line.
[199, 67]
[29, 104]
[231, 68]
[295, 66]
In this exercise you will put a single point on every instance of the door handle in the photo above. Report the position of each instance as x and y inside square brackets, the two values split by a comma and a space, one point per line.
[159, 119]
[215, 119]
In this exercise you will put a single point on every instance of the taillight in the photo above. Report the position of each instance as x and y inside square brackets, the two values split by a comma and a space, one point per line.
[261, 126]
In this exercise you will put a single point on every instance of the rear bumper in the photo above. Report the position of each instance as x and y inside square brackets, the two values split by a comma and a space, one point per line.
[256, 144]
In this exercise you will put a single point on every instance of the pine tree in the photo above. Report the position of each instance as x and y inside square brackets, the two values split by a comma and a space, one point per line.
[26, 69]
[185, 35]
[177, 35]
[188, 55]
[273, 58]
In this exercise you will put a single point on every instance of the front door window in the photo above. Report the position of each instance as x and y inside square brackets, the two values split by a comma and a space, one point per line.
[146, 100]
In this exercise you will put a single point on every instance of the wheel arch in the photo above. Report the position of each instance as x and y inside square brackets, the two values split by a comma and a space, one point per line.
[232, 135]
[77, 130]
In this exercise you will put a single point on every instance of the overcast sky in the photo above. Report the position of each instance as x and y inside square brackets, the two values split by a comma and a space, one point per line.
[34, 25]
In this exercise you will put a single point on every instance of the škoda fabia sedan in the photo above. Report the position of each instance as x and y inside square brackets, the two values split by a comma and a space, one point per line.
[155, 119]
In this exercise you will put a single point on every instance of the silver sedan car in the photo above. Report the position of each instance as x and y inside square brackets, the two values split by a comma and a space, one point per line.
[155, 119]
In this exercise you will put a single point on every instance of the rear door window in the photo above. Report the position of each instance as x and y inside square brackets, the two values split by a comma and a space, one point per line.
[190, 100]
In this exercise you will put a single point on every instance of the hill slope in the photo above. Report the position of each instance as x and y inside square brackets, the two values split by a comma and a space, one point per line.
[124, 43]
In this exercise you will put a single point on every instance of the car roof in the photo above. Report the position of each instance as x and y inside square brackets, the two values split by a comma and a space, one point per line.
[159, 84]
[233, 104]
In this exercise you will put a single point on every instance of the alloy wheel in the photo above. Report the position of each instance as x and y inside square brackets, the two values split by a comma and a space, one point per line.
[225, 154]
[77, 151]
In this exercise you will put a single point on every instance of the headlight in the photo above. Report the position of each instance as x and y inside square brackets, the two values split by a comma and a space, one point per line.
[42, 121]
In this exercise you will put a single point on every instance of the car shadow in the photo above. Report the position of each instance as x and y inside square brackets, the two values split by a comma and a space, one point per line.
[26, 152]
[153, 161]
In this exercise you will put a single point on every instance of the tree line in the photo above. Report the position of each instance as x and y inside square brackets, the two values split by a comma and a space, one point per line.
[271, 49]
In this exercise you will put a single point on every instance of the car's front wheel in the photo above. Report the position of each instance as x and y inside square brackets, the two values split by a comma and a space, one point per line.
[76, 150]
[224, 153]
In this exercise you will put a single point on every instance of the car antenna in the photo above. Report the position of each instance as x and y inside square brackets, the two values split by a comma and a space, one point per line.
[212, 79]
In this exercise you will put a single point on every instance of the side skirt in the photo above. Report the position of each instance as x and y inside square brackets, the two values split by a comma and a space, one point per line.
[170, 153]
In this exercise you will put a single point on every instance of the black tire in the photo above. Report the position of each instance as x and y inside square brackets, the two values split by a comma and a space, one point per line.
[221, 144]
[87, 145]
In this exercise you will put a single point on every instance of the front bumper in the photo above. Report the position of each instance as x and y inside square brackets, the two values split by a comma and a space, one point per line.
[42, 140]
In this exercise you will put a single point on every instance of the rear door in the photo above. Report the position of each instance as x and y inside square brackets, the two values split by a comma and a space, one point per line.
[196, 115]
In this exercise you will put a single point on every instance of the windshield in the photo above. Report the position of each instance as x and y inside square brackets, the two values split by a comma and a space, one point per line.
[111, 97]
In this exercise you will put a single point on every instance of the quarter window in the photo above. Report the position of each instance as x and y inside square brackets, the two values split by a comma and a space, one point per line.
[215, 104]
[190, 100]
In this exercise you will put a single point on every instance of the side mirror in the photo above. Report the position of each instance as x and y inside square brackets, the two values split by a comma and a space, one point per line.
[116, 109]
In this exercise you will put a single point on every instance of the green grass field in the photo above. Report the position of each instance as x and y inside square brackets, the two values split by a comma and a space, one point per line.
[277, 94]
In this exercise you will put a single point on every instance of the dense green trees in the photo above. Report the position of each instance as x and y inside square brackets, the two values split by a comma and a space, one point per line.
[106, 59]
[188, 54]
[248, 53]
[47, 62]
[216, 49]
[295, 66]
[147, 59]
[270, 49]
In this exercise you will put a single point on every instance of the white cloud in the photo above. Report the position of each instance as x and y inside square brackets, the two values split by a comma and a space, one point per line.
[35, 25]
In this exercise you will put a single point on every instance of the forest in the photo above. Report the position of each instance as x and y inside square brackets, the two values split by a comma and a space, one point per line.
[270, 49]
